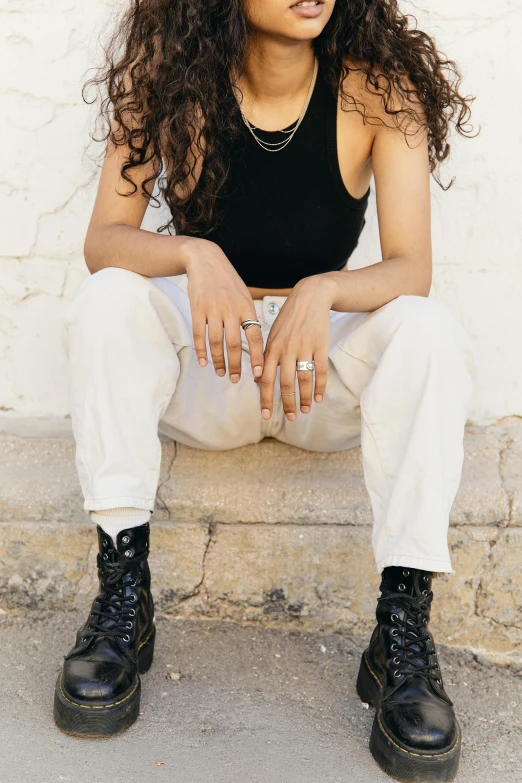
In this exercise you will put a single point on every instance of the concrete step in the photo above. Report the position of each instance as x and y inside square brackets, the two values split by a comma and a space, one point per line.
[267, 533]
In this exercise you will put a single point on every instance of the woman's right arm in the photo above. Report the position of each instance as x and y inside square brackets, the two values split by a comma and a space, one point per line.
[219, 299]
[114, 236]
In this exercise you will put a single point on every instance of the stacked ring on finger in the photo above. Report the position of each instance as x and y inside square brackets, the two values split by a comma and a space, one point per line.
[305, 366]
[250, 322]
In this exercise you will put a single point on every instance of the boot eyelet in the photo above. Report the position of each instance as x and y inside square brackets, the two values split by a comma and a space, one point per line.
[128, 625]
[439, 682]
[126, 638]
[133, 598]
[132, 612]
[397, 673]
[125, 540]
[394, 617]
[402, 587]
[405, 573]
[396, 660]
[84, 639]
[394, 632]
[426, 578]
[132, 584]
[105, 556]
[128, 553]
[424, 592]
[104, 542]
[394, 648]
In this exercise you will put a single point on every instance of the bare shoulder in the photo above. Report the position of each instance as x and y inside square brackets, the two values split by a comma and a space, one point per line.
[384, 102]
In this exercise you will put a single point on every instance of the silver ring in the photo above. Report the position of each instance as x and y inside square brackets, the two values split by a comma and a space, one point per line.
[250, 322]
[305, 366]
[288, 394]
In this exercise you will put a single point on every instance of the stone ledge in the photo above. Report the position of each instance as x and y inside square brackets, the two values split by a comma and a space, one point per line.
[267, 483]
[273, 535]
[309, 577]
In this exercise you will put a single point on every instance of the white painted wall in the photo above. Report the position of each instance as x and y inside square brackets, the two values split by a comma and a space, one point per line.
[47, 189]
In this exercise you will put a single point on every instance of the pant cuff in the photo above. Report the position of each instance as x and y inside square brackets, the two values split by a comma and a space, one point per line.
[121, 501]
[413, 561]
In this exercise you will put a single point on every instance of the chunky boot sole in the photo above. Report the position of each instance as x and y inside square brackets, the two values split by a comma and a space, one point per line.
[399, 762]
[103, 720]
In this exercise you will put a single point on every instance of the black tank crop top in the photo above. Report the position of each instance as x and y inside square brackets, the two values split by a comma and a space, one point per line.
[287, 214]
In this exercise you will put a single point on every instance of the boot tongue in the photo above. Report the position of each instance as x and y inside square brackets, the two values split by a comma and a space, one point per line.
[129, 543]
[115, 572]
[409, 581]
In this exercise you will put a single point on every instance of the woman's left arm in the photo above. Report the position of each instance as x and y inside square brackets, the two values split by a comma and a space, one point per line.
[301, 330]
[402, 181]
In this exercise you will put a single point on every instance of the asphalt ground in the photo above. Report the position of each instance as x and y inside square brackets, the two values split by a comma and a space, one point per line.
[226, 703]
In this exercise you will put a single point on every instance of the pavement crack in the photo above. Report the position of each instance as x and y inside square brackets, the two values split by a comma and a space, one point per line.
[200, 587]
[212, 526]
[506, 442]
[163, 504]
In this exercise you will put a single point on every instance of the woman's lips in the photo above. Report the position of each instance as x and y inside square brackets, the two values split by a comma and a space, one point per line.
[308, 11]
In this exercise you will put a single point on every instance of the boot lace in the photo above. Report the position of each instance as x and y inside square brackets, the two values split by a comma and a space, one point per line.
[112, 617]
[413, 642]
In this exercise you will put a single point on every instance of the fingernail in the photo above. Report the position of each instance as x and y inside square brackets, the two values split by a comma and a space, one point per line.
[318, 397]
[265, 413]
[258, 371]
[234, 378]
[220, 373]
[290, 416]
[203, 362]
[305, 409]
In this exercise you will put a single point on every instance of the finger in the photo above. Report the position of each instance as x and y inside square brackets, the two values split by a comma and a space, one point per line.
[266, 385]
[306, 385]
[321, 375]
[254, 338]
[233, 341]
[288, 388]
[199, 330]
[215, 340]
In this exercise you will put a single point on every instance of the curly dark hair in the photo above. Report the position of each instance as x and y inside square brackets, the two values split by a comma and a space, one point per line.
[167, 67]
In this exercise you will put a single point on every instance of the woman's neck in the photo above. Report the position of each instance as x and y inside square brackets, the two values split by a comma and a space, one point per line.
[275, 82]
[274, 71]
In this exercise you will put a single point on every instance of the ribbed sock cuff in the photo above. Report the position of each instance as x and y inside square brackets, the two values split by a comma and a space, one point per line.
[113, 520]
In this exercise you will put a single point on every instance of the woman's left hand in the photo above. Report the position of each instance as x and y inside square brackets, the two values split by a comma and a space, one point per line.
[301, 332]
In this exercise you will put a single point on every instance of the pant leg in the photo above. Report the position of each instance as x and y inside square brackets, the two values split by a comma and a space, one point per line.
[410, 365]
[132, 360]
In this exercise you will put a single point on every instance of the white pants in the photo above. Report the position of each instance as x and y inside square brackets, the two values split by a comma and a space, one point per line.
[399, 383]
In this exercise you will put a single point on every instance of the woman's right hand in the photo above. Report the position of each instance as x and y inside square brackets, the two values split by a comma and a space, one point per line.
[220, 302]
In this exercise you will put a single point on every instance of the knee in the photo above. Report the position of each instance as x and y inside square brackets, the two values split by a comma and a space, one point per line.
[425, 321]
[110, 293]
[426, 329]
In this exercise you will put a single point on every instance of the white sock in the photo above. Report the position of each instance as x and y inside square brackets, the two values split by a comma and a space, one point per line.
[113, 520]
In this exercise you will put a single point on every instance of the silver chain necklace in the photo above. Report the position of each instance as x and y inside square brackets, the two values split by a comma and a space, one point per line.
[277, 146]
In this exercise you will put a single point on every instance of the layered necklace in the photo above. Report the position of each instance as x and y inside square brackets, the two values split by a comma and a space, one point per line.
[277, 146]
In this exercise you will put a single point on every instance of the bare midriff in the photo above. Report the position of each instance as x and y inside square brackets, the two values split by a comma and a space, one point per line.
[259, 293]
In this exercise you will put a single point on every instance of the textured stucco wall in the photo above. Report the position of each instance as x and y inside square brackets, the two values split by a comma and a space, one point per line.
[47, 189]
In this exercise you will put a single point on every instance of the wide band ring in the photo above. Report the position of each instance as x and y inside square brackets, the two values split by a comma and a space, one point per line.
[250, 322]
[305, 366]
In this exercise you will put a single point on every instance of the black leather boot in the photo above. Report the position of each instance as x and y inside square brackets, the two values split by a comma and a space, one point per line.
[415, 735]
[98, 690]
